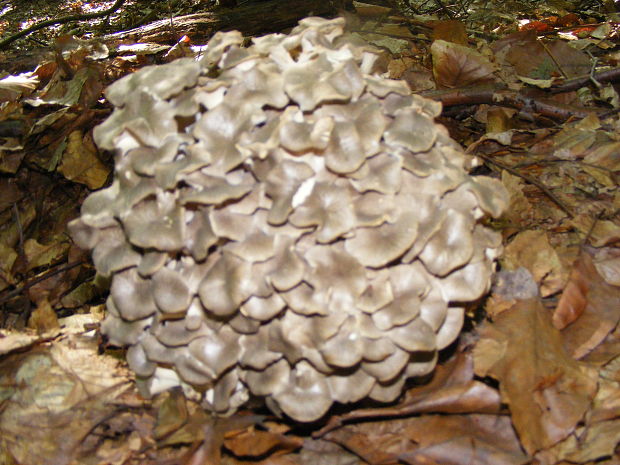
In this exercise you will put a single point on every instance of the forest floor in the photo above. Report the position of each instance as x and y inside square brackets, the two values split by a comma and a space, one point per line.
[530, 88]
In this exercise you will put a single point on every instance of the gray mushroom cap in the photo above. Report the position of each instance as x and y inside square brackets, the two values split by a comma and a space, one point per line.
[285, 223]
[307, 396]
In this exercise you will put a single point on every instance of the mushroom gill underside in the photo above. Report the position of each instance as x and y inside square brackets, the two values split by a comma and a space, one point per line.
[285, 223]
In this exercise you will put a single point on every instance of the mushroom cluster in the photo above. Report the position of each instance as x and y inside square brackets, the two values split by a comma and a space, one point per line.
[285, 223]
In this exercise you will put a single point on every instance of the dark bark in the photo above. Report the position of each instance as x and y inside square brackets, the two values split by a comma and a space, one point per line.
[251, 19]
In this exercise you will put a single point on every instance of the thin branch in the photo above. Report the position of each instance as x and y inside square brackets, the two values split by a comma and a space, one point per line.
[554, 198]
[48, 274]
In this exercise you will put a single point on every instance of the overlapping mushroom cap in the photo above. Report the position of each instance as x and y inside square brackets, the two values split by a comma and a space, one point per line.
[284, 223]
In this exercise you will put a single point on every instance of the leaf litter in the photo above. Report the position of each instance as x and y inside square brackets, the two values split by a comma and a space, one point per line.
[536, 377]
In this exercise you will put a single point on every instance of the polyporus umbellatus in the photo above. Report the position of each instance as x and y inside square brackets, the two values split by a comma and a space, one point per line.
[285, 222]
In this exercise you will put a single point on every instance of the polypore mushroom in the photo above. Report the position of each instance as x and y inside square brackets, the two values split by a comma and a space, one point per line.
[286, 223]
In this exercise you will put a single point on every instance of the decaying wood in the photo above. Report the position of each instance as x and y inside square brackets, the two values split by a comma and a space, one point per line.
[251, 19]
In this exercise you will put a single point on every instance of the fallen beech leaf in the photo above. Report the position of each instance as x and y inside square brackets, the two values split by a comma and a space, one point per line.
[533, 59]
[451, 390]
[606, 353]
[597, 318]
[171, 416]
[459, 66]
[606, 404]
[532, 250]
[7, 259]
[54, 395]
[510, 286]
[548, 392]
[575, 295]
[322, 452]
[520, 209]
[43, 318]
[207, 434]
[607, 155]
[588, 445]
[599, 232]
[599, 441]
[81, 164]
[255, 443]
[451, 31]
[607, 263]
[51, 288]
[43, 255]
[434, 439]
[479, 439]
[10, 193]
[15, 341]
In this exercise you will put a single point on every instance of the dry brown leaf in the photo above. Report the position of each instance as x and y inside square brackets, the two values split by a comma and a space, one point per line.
[7, 259]
[255, 443]
[17, 341]
[607, 263]
[322, 452]
[598, 232]
[599, 441]
[599, 316]
[171, 416]
[53, 396]
[575, 295]
[534, 59]
[374, 442]
[548, 392]
[10, 193]
[38, 255]
[367, 9]
[43, 318]
[214, 430]
[532, 250]
[451, 390]
[588, 444]
[457, 440]
[606, 352]
[606, 405]
[508, 288]
[441, 439]
[499, 120]
[607, 155]
[10, 233]
[81, 164]
[451, 31]
[459, 66]
[51, 288]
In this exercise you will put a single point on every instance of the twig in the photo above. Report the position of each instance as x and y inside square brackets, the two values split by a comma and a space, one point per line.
[62, 20]
[20, 229]
[48, 274]
[498, 95]
[554, 198]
